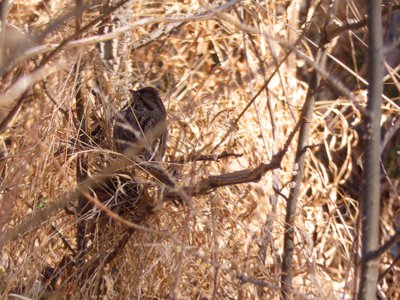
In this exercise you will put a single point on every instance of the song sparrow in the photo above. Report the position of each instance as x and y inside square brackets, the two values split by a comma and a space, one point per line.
[144, 113]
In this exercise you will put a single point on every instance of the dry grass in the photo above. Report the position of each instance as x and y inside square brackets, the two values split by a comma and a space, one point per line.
[208, 70]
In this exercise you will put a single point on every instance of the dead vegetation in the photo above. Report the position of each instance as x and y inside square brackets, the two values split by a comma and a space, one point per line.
[212, 66]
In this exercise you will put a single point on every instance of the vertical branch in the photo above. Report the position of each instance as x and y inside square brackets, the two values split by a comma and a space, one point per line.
[288, 246]
[81, 164]
[371, 183]
[291, 205]
[321, 20]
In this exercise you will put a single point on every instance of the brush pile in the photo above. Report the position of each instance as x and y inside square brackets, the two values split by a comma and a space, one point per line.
[234, 77]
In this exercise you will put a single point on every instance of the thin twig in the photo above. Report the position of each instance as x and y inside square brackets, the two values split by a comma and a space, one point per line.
[53, 99]
[70, 42]
[204, 157]
[82, 30]
[329, 35]
[385, 247]
[394, 263]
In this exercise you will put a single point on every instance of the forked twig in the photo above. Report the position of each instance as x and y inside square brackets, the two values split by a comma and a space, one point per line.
[238, 177]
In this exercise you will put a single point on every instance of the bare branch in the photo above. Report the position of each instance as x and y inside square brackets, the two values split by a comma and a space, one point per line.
[238, 177]
[370, 206]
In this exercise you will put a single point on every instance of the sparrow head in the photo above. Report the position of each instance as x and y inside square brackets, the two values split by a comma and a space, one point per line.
[148, 98]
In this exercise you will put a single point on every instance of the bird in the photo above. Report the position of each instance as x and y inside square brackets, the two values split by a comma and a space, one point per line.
[144, 112]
